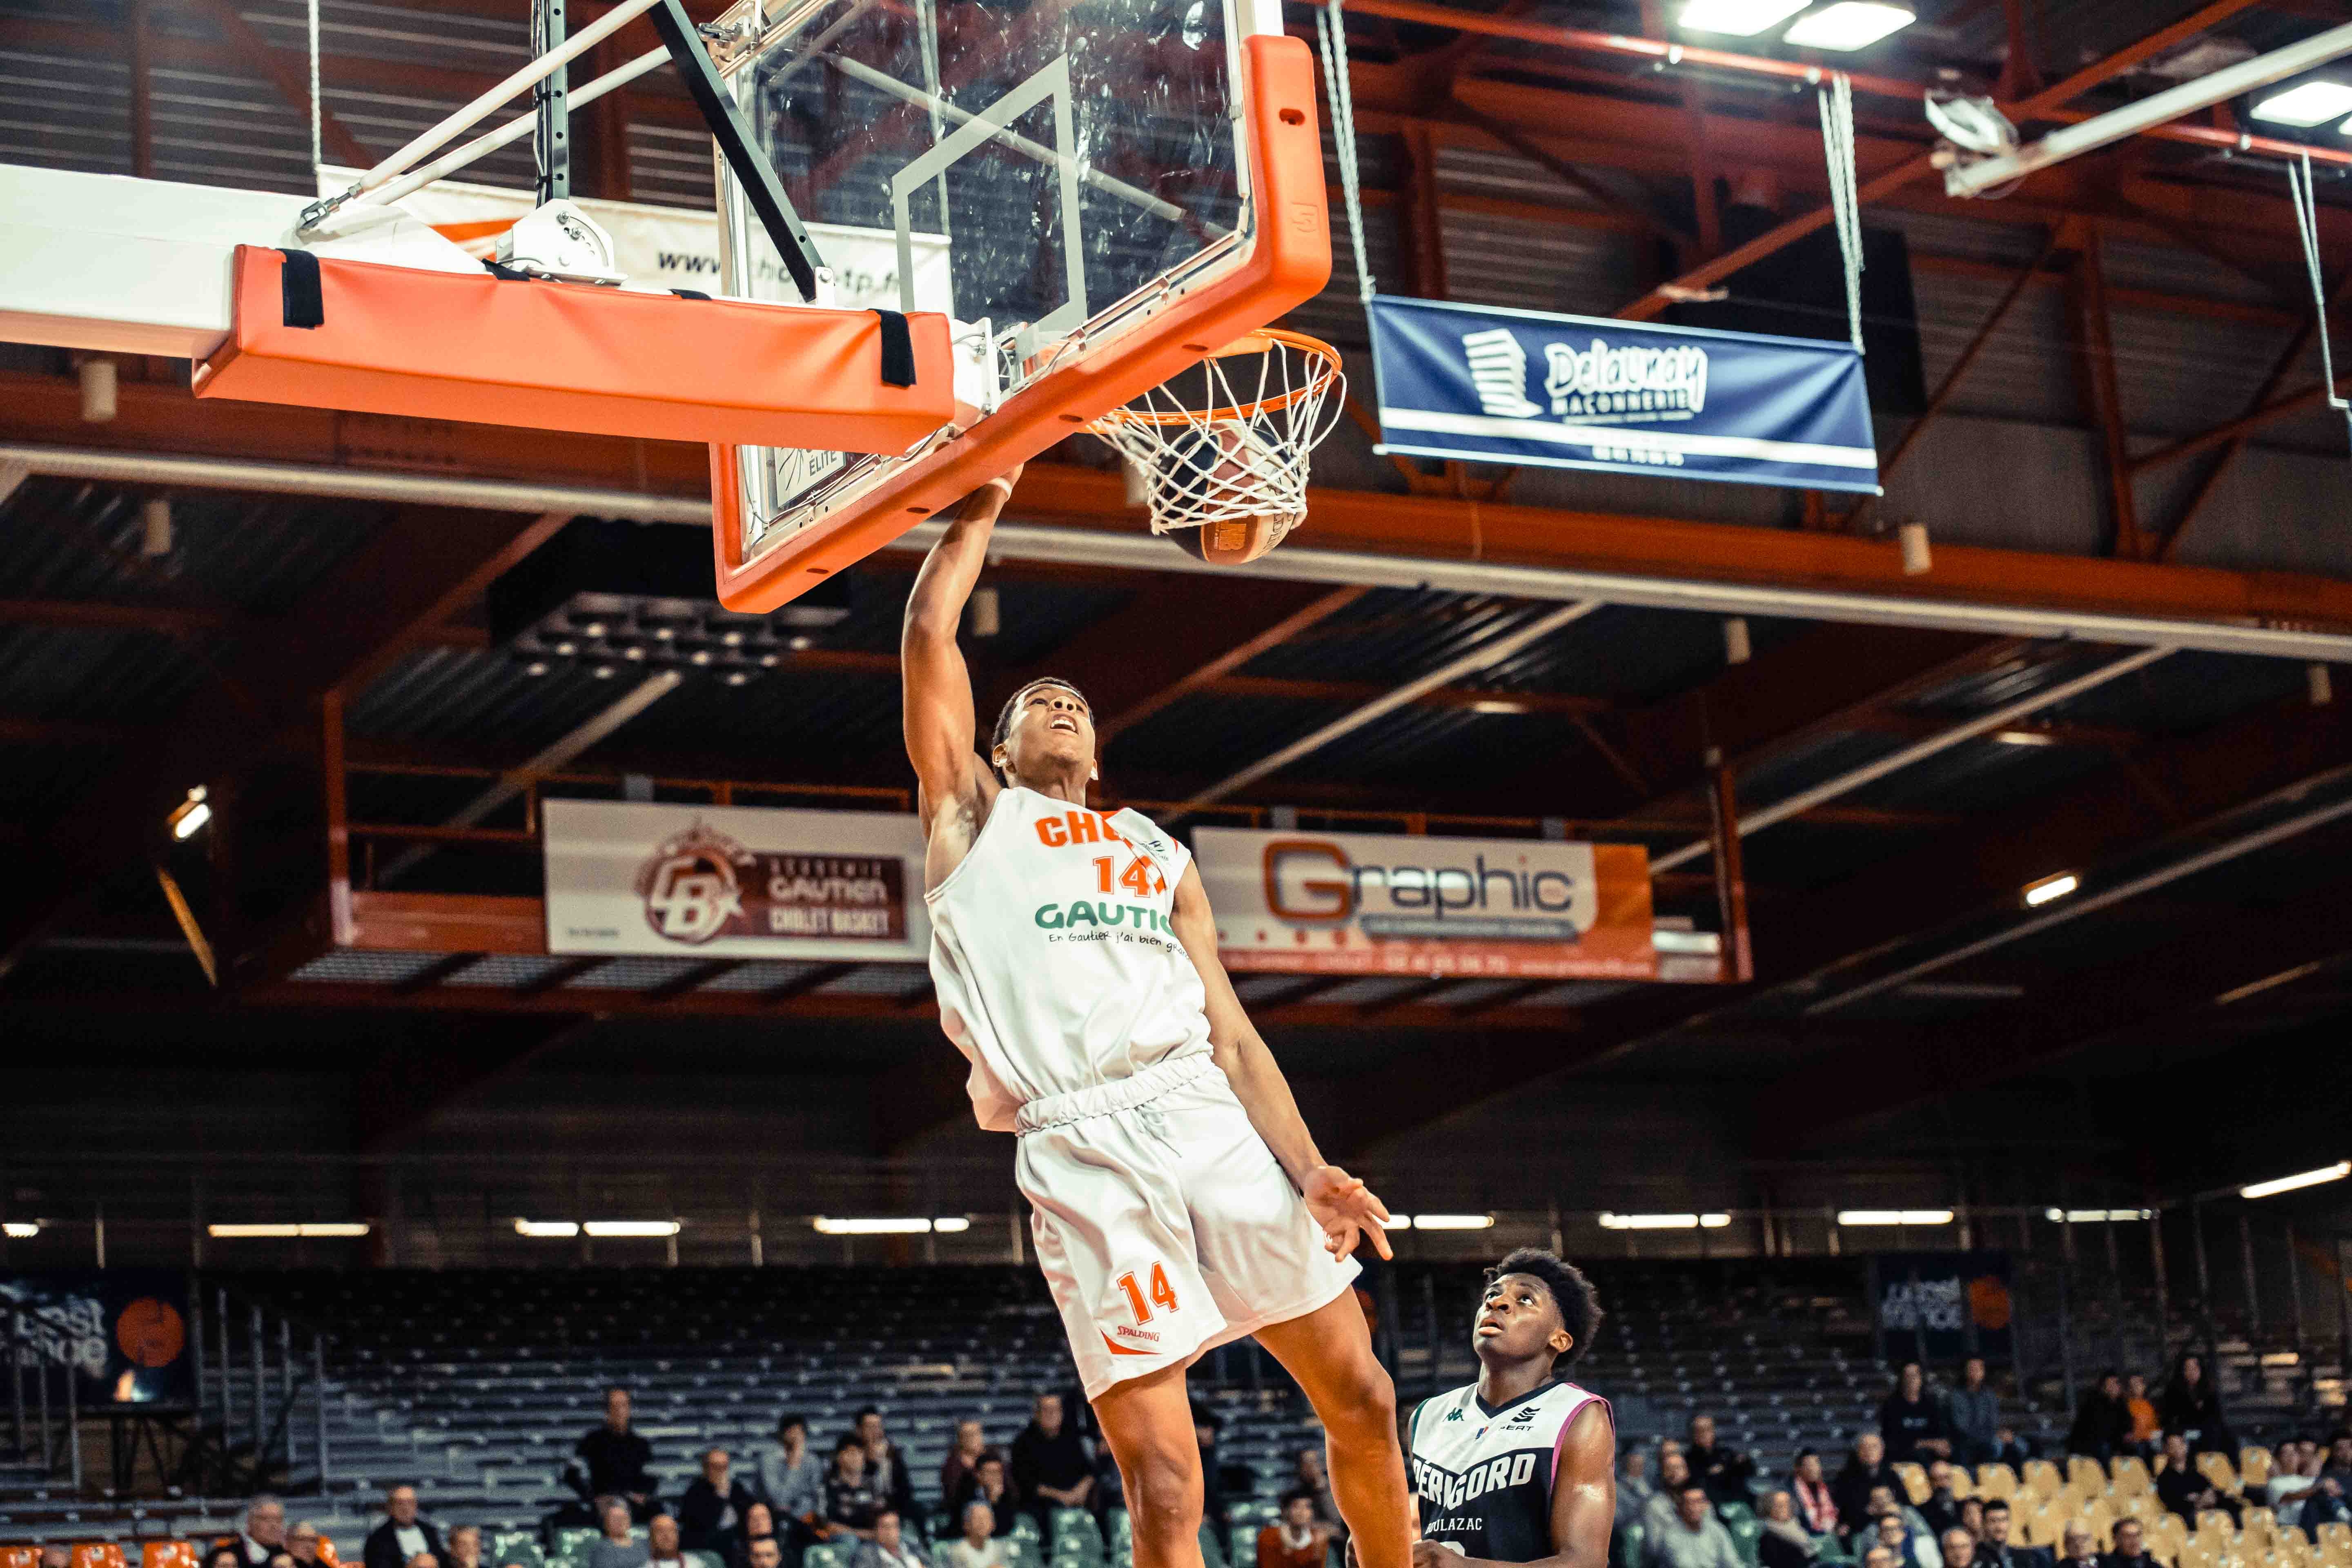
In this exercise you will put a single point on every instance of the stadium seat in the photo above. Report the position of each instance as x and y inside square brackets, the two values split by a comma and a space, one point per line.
[515, 1547]
[2217, 1468]
[2130, 1472]
[1744, 1535]
[2218, 1527]
[2254, 1465]
[572, 1542]
[1996, 1480]
[20, 1557]
[1914, 1482]
[2087, 1474]
[97, 1554]
[2259, 1526]
[167, 1554]
[1240, 1543]
[1213, 1552]
[824, 1554]
[2041, 1478]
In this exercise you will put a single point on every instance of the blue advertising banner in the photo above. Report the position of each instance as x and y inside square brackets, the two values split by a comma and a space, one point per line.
[1580, 392]
[1942, 1306]
[122, 1331]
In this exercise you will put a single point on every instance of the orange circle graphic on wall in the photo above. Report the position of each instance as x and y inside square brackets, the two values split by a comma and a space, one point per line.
[151, 1332]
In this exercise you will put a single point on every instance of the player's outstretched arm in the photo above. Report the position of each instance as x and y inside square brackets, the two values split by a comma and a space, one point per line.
[1341, 1204]
[1583, 1502]
[939, 719]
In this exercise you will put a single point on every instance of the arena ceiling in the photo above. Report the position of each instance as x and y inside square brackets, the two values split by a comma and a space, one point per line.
[2123, 444]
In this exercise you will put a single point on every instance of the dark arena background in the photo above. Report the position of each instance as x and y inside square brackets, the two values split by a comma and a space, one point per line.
[450, 967]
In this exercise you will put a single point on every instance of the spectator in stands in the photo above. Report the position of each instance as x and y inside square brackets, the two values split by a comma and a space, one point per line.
[1995, 1550]
[978, 1546]
[218, 1557]
[1315, 1479]
[970, 1443]
[2191, 1407]
[1975, 1414]
[885, 1466]
[766, 1551]
[263, 1532]
[2009, 1449]
[302, 1543]
[710, 1514]
[1810, 1491]
[1879, 1557]
[1786, 1543]
[889, 1547]
[465, 1547]
[2288, 1481]
[2131, 1552]
[1295, 1539]
[617, 1548]
[1692, 1536]
[791, 1482]
[422, 1560]
[1912, 1420]
[663, 1538]
[1866, 1470]
[1051, 1468]
[851, 1502]
[1972, 1516]
[1914, 1548]
[1884, 1500]
[1959, 1548]
[1942, 1509]
[2141, 1428]
[2075, 1546]
[2322, 1497]
[402, 1537]
[759, 1524]
[2100, 1422]
[1674, 1475]
[2181, 1487]
[988, 1484]
[1633, 1489]
[619, 1461]
[1722, 1470]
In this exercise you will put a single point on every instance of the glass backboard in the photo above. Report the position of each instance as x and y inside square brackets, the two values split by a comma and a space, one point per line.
[1065, 179]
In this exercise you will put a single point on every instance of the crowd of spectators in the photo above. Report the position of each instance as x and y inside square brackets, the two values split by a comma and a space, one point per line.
[1675, 1503]
[861, 1496]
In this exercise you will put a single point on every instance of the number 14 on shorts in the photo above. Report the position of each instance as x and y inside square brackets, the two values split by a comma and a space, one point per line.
[1162, 1295]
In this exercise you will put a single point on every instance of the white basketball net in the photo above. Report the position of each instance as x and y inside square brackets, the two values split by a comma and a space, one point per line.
[1234, 445]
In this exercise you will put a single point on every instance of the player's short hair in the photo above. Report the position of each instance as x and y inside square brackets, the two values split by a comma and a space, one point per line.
[1012, 707]
[1579, 1308]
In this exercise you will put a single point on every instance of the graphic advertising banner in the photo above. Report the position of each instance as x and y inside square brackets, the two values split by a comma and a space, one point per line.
[1356, 903]
[1580, 392]
[123, 1331]
[733, 882]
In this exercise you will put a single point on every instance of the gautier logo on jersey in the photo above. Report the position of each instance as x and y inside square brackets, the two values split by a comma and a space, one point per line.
[1365, 903]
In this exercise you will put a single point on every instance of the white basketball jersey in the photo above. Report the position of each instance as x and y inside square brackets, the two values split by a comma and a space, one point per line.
[1054, 957]
[1485, 1477]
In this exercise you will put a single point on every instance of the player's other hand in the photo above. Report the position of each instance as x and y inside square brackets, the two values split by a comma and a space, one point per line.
[1436, 1554]
[1346, 1210]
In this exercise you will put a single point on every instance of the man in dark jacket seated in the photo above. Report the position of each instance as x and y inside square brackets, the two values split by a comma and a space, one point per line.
[1866, 1468]
[711, 1515]
[402, 1536]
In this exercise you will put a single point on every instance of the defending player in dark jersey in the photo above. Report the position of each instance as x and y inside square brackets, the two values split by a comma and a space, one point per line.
[1521, 1465]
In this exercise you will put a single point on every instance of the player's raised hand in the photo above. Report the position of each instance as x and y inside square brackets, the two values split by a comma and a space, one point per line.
[1346, 1210]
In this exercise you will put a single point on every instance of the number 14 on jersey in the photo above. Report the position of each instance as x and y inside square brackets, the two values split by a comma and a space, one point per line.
[1163, 1295]
[1141, 878]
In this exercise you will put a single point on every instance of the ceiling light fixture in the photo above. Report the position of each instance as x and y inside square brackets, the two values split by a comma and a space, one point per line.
[21, 1229]
[879, 1224]
[623, 1229]
[548, 1229]
[1663, 1221]
[316, 1230]
[2051, 889]
[188, 818]
[2095, 1217]
[1736, 18]
[1894, 1217]
[1453, 1222]
[2305, 104]
[2335, 1173]
[1848, 26]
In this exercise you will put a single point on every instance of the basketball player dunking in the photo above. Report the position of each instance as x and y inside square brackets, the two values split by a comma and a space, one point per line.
[1521, 1466]
[1179, 1201]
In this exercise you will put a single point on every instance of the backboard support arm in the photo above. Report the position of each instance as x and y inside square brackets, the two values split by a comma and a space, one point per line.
[761, 189]
[551, 99]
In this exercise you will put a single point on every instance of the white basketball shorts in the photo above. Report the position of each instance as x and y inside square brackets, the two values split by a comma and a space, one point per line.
[1163, 1223]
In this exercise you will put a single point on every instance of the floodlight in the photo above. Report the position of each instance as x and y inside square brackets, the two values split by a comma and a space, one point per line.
[1848, 25]
[2305, 104]
[1736, 18]
[2335, 1173]
[1894, 1217]
[1452, 1222]
[2051, 888]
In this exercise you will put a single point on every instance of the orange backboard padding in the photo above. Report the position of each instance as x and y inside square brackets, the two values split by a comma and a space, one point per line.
[1288, 264]
[570, 356]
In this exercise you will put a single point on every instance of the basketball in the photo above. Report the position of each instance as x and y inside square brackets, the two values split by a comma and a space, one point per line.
[1209, 468]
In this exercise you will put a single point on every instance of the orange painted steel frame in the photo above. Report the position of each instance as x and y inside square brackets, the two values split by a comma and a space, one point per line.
[568, 356]
[1289, 264]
